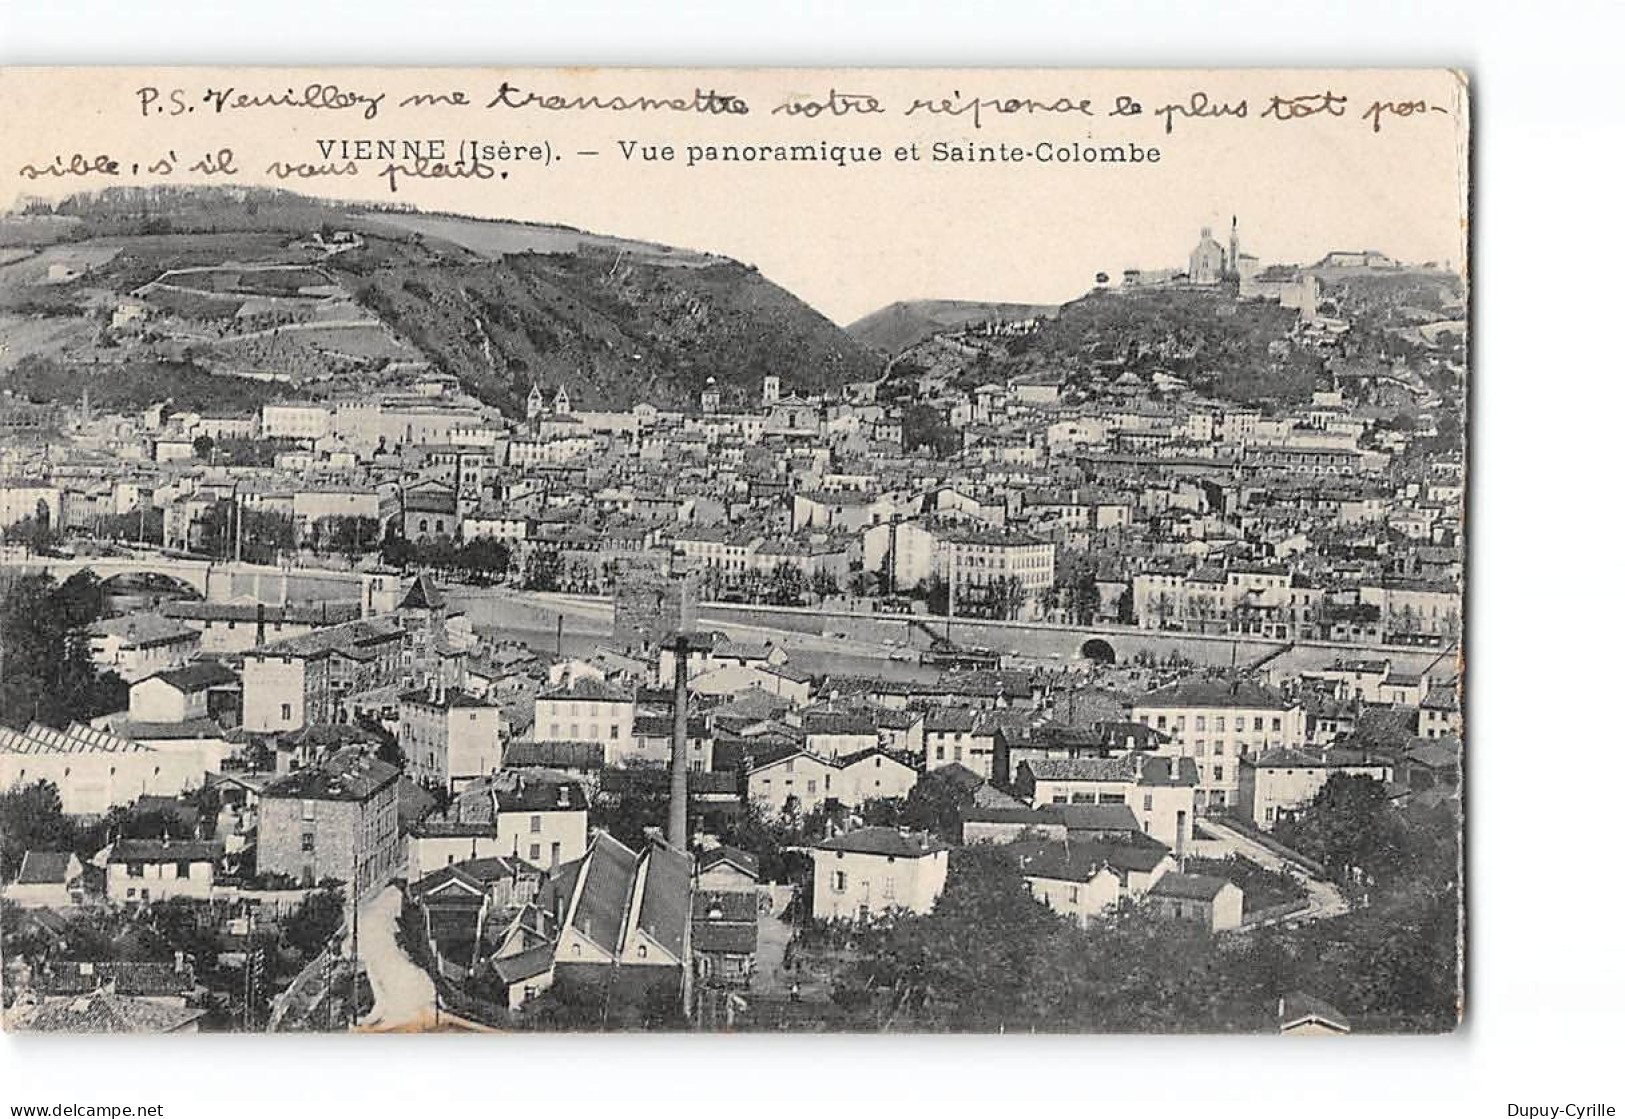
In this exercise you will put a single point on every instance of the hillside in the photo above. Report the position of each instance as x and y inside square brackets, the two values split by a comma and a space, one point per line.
[897, 326]
[270, 292]
[614, 327]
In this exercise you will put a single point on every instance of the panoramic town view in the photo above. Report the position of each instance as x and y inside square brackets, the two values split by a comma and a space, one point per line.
[415, 622]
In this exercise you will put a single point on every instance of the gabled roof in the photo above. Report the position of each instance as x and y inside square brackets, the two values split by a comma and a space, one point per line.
[667, 889]
[609, 873]
[718, 856]
[1189, 887]
[1298, 1009]
[423, 595]
[44, 868]
[524, 965]
[195, 677]
[1201, 691]
[883, 841]
[102, 1012]
[166, 851]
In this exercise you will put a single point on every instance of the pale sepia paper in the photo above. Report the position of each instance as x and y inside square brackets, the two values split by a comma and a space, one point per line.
[851, 190]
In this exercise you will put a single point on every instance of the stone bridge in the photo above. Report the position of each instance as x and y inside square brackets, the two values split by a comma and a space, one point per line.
[377, 592]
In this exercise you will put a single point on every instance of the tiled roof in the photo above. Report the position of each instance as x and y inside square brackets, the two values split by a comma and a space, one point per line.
[524, 965]
[42, 868]
[137, 978]
[1199, 691]
[102, 1012]
[165, 851]
[553, 754]
[347, 774]
[1190, 887]
[195, 677]
[1298, 1009]
[663, 913]
[744, 860]
[882, 841]
[142, 630]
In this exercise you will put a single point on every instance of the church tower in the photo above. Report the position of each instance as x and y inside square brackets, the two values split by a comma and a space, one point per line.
[561, 402]
[535, 403]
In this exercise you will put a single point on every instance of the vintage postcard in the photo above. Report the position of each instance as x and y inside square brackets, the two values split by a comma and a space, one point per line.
[743, 550]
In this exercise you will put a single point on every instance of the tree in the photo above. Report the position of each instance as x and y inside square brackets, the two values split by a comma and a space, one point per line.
[788, 587]
[396, 550]
[544, 570]
[1125, 606]
[31, 819]
[1005, 597]
[47, 675]
[203, 447]
[314, 922]
[924, 426]
[348, 534]
[935, 803]
[1349, 824]
[34, 532]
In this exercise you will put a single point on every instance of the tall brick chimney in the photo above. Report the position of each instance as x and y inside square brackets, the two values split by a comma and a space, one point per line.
[677, 818]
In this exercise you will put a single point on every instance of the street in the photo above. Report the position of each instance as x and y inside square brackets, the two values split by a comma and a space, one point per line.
[1325, 899]
[403, 993]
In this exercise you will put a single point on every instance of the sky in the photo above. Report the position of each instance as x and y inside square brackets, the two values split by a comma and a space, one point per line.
[846, 240]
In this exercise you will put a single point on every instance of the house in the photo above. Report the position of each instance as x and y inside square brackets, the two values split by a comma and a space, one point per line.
[302, 681]
[338, 819]
[1216, 722]
[787, 779]
[959, 735]
[48, 878]
[1072, 822]
[137, 645]
[583, 761]
[1158, 790]
[459, 900]
[728, 869]
[1301, 1015]
[724, 937]
[538, 815]
[145, 870]
[1278, 783]
[1076, 882]
[177, 695]
[1207, 899]
[448, 737]
[875, 774]
[587, 710]
[865, 873]
[623, 923]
